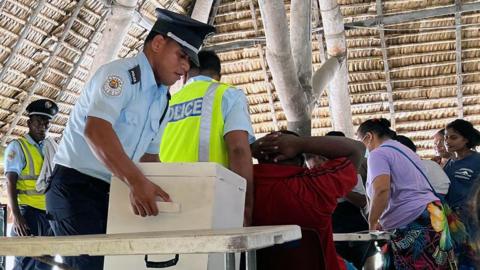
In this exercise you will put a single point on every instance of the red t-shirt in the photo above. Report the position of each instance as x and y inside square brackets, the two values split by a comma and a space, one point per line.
[295, 195]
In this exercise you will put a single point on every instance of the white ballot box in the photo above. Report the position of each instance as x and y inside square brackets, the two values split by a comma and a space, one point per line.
[204, 196]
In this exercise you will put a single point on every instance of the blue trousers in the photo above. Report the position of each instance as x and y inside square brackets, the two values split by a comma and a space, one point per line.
[37, 222]
[77, 204]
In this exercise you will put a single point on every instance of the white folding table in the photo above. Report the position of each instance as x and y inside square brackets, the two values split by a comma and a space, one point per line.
[227, 241]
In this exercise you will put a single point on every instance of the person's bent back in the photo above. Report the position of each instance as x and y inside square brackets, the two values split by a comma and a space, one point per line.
[286, 192]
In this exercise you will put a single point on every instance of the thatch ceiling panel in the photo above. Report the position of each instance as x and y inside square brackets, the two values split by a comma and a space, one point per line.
[365, 98]
[362, 65]
[365, 76]
[397, 6]
[426, 115]
[233, 16]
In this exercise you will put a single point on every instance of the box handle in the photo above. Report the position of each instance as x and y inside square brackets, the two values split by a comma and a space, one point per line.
[164, 264]
[168, 207]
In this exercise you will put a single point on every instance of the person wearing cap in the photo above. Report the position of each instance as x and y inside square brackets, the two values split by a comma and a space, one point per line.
[212, 119]
[115, 123]
[24, 159]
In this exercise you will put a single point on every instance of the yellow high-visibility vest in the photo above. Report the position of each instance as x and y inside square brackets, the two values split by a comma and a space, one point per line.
[195, 125]
[26, 192]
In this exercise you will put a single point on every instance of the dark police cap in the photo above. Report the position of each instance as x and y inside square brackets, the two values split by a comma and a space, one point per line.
[186, 31]
[43, 107]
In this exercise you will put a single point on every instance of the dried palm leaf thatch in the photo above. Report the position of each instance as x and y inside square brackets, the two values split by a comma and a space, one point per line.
[407, 49]
[260, 98]
[408, 5]
[374, 64]
[366, 86]
[370, 97]
[240, 25]
[429, 104]
[364, 53]
[426, 115]
[358, 119]
[422, 71]
[244, 65]
[224, 37]
[246, 77]
[234, 16]
[356, 9]
[363, 42]
[366, 76]
[233, 6]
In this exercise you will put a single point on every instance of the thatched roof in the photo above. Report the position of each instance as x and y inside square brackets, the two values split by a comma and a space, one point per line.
[421, 58]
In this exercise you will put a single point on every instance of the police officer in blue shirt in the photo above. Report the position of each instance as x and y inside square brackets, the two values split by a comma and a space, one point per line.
[23, 162]
[116, 122]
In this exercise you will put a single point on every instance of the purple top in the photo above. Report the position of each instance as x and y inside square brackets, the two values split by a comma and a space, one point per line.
[409, 191]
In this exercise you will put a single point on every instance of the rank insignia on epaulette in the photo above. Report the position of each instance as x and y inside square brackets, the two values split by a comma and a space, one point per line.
[135, 74]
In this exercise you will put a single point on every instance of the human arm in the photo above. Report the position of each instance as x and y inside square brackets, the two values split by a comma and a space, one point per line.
[106, 146]
[150, 158]
[19, 226]
[283, 146]
[380, 197]
[357, 199]
[240, 162]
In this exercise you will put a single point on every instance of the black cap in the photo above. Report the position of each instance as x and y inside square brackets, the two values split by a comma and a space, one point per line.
[186, 31]
[43, 107]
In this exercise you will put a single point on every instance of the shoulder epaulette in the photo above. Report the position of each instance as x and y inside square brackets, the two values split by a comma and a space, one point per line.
[135, 74]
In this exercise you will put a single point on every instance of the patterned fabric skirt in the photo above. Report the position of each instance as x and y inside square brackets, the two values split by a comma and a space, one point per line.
[423, 244]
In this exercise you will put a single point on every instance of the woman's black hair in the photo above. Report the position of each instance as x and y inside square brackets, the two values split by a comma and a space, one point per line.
[407, 142]
[467, 131]
[379, 126]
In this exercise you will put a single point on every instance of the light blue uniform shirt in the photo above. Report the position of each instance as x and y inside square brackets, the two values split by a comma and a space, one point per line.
[14, 157]
[133, 109]
[234, 109]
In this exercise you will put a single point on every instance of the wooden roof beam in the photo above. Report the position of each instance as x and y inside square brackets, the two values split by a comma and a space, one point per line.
[21, 39]
[264, 65]
[386, 67]
[202, 9]
[77, 65]
[458, 56]
[415, 15]
[122, 14]
[44, 69]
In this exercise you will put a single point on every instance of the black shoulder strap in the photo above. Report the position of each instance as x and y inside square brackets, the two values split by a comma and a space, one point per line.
[135, 74]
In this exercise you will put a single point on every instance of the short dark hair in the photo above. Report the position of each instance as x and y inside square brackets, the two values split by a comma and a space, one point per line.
[407, 142]
[151, 35]
[335, 133]
[467, 131]
[209, 63]
[379, 126]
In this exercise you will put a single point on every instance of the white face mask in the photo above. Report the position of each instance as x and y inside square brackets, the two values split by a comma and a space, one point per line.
[367, 152]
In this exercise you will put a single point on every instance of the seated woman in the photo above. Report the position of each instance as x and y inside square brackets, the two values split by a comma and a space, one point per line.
[461, 138]
[286, 192]
[402, 201]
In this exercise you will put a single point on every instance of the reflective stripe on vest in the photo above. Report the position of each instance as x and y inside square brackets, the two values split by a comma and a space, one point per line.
[195, 125]
[26, 191]
[206, 123]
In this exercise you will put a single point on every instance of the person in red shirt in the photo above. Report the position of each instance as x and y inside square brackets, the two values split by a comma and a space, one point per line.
[287, 192]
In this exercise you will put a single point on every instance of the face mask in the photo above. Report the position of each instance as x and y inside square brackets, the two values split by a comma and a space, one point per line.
[367, 152]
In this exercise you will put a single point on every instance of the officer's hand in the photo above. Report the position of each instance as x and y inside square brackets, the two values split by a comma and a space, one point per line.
[143, 194]
[20, 226]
